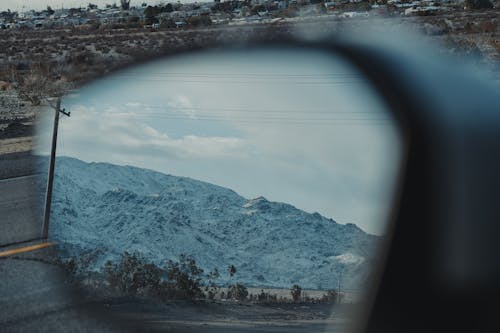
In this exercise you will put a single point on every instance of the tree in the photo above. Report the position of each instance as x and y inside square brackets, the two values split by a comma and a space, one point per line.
[478, 4]
[263, 296]
[211, 287]
[296, 292]
[185, 278]
[200, 20]
[37, 86]
[257, 8]
[169, 8]
[147, 279]
[331, 296]
[231, 270]
[125, 4]
[133, 274]
[237, 291]
[150, 15]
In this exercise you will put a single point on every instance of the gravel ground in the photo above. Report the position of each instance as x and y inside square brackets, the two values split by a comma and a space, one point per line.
[234, 317]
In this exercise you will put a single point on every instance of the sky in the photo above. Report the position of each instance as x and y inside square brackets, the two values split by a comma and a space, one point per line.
[42, 4]
[297, 127]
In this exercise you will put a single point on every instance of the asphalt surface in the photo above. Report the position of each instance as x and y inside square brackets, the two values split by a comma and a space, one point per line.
[21, 197]
[20, 209]
[17, 164]
[34, 294]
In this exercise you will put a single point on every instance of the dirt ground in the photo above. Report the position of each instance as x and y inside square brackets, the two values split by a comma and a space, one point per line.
[16, 145]
[70, 58]
[234, 316]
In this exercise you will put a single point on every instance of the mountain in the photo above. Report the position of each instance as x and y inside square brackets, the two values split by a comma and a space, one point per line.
[272, 244]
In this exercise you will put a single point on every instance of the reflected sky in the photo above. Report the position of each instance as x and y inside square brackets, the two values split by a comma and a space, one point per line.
[296, 127]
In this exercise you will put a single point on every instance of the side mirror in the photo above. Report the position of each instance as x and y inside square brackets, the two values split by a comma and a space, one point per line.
[280, 162]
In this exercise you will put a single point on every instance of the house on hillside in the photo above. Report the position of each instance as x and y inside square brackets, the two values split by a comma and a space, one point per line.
[331, 6]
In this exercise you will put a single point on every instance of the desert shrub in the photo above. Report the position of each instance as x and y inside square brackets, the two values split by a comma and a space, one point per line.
[488, 27]
[77, 268]
[184, 279]
[496, 45]
[237, 291]
[231, 270]
[257, 8]
[296, 292]
[133, 275]
[70, 268]
[289, 12]
[211, 288]
[199, 21]
[265, 297]
[331, 296]
[37, 85]
[478, 4]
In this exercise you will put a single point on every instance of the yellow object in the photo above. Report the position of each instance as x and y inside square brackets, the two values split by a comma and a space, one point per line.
[26, 249]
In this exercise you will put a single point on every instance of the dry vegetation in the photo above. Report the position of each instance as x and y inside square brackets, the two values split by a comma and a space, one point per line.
[78, 55]
[35, 64]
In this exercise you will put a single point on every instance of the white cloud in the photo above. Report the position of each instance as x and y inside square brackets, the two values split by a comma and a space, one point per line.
[182, 104]
[134, 104]
[124, 133]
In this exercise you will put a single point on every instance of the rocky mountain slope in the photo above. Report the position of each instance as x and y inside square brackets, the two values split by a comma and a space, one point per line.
[122, 208]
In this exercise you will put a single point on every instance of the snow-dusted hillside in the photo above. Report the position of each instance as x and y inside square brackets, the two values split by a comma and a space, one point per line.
[99, 205]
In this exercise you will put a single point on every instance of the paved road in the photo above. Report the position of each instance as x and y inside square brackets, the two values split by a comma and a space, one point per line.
[36, 297]
[20, 197]
[17, 164]
[34, 294]
[20, 209]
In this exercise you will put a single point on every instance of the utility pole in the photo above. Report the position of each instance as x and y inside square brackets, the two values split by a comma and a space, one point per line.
[338, 293]
[50, 182]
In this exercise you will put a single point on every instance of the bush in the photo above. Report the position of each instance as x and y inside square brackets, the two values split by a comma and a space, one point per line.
[296, 292]
[331, 296]
[238, 292]
[37, 86]
[199, 21]
[78, 268]
[265, 297]
[184, 278]
[133, 275]
[478, 4]
[211, 289]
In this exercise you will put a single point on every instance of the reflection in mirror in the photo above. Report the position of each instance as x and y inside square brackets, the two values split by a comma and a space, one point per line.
[257, 177]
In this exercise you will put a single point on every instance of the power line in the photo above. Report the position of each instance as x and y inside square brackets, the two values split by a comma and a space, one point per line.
[242, 110]
[260, 120]
[284, 75]
[228, 81]
[221, 117]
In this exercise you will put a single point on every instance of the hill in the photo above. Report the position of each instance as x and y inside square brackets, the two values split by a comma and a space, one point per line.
[122, 208]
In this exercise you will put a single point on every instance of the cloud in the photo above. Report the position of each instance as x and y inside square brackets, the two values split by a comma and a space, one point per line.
[90, 132]
[183, 105]
[133, 104]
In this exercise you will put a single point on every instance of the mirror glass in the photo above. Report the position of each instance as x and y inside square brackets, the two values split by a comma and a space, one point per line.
[218, 179]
